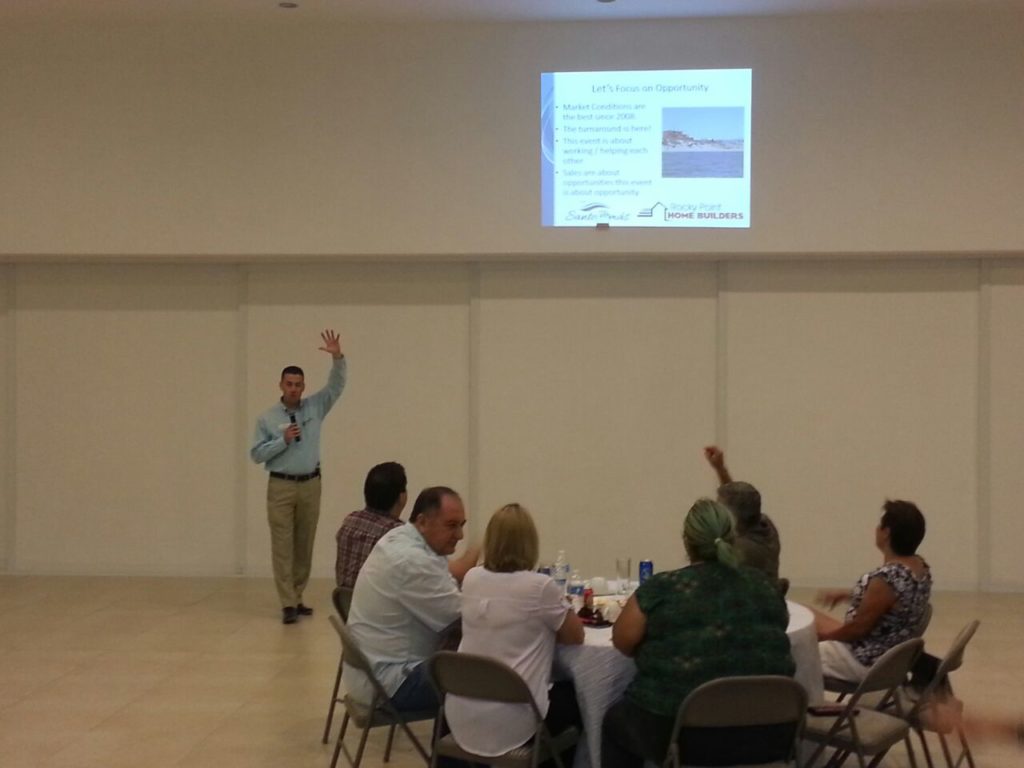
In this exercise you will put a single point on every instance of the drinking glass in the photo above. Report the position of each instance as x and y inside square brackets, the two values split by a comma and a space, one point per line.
[623, 572]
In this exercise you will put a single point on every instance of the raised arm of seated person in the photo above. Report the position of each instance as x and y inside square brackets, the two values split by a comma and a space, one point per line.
[459, 566]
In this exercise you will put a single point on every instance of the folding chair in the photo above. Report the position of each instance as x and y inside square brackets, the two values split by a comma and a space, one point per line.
[865, 730]
[846, 687]
[379, 712]
[921, 716]
[486, 679]
[342, 598]
[739, 721]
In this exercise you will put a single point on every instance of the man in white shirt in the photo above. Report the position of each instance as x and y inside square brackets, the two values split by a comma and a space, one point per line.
[406, 595]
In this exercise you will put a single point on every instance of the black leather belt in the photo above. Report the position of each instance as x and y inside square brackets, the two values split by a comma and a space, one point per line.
[296, 478]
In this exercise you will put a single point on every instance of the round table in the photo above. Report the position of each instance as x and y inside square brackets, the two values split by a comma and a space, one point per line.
[803, 642]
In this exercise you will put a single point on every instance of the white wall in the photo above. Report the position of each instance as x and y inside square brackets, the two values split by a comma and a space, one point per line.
[885, 134]
[126, 419]
[1003, 425]
[7, 423]
[585, 391]
[582, 378]
[405, 330]
[850, 383]
[596, 389]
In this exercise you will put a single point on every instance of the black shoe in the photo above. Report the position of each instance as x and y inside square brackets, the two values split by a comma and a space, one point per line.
[304, 610]
[289, 615]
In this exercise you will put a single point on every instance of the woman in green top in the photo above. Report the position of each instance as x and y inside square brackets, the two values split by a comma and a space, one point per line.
[711, 619]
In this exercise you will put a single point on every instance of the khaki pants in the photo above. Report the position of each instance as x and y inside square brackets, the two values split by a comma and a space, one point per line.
[293, 510]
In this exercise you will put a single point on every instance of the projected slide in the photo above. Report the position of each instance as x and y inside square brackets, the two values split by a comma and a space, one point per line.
[646, 149]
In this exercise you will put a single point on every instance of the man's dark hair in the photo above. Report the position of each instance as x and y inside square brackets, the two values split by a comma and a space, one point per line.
[906, 526]
[429, 501]
[292, 369]
[745, 502]
[384, 484]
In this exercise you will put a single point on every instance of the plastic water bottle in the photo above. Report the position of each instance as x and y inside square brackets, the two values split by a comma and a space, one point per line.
[560, 571]
[576, 587]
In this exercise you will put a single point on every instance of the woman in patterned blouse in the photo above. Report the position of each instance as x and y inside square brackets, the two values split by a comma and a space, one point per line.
[713, 618]
[886, 604]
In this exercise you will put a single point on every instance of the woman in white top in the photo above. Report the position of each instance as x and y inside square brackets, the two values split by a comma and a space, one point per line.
[516, 615]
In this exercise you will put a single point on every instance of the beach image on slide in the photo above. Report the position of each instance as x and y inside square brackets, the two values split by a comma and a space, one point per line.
[702, 142]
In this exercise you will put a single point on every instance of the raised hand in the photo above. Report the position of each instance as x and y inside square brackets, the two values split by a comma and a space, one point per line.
[715, 456]
[332, 343]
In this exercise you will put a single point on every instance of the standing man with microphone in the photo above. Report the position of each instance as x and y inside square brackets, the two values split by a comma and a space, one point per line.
[287, 443]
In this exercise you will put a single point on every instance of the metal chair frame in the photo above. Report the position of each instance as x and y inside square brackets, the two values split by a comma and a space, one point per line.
[886, 676]
[342, 599]
[379, 712]
[951, 662]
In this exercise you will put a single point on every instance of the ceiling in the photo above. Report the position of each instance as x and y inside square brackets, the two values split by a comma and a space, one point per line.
[464, 10]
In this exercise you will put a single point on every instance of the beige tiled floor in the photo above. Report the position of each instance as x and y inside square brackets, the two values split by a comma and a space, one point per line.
[152, 673]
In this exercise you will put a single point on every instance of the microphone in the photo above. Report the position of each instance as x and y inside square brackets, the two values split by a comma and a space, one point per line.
[291, 418]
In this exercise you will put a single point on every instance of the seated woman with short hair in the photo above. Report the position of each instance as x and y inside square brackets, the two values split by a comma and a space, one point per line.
[515, 615]
[886, 604]
[713, 618]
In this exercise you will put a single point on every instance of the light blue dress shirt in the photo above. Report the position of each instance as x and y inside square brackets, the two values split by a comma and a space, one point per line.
[404, 597]
[303, 456]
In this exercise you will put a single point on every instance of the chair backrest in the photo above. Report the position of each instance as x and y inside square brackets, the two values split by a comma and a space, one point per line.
[924, 621]
[342, 597]
[954, 657]
[355, 658]
[921, 712]
[889, 671]
[951, 662]
[740, 720]
[743, 701]
[478, 677]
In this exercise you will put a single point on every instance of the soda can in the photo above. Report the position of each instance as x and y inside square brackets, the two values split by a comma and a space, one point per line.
[646, 570]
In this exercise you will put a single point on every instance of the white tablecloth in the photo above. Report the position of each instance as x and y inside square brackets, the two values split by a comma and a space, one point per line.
[803, 641]
[601, 674]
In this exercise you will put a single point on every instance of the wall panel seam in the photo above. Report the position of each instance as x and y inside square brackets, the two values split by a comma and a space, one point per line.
[241, 463]
[9, 455]
[473, 394]
[983, 426]
[721, 353]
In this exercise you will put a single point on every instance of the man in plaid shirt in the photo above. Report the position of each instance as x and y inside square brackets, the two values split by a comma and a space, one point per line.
[385, 495]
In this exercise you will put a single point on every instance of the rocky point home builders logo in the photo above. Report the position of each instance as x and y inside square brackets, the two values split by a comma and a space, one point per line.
[648, 213]
[667, 214]
[687, 211]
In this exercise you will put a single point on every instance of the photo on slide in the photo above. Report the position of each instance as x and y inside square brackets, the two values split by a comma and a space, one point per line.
[702, 142]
